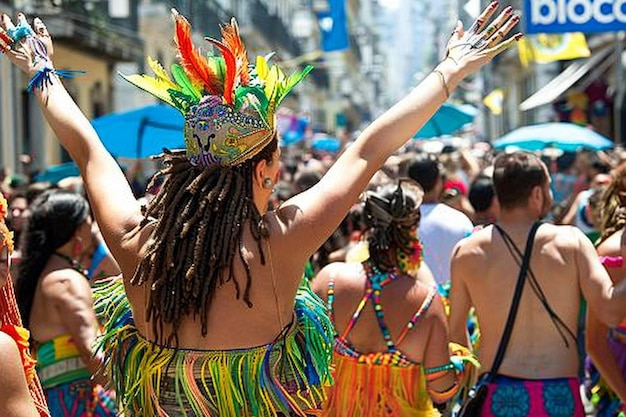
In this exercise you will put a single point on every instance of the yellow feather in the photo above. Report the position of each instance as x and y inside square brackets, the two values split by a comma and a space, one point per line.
[151, 85]
[160, 72]
[271, 83]
[262, 69]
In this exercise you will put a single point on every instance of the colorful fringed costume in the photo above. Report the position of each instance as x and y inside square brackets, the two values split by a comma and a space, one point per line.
[384, 383]
[67, 381]
[287, 377]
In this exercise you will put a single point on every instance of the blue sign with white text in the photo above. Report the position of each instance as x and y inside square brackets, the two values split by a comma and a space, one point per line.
[561, 16]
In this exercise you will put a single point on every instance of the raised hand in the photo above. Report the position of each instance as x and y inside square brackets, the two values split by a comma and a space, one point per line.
[475, 47]
[29, 49]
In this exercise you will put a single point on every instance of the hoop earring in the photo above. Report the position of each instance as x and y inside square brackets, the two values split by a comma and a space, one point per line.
[268, 183]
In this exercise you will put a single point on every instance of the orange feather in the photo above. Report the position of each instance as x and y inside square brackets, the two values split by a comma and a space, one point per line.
[232, 40]
[195, 65]
[231, 70]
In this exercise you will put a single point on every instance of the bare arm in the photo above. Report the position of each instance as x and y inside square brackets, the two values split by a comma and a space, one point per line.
[101, 174]
[606, 301]
[71, 294]
[316, 212]
[437, 351]
[460, 302]
[15, 399]
[596, 336]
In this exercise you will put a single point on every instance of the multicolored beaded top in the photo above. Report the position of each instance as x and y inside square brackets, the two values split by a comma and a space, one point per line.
[375, 281]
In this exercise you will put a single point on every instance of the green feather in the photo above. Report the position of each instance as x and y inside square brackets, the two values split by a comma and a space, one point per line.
[293, 80]
[183, 81]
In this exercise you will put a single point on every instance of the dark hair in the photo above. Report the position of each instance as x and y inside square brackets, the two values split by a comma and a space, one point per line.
[54, 217]
[514, 177]
[200, 216]
[613, 203]
[425, 169]
[390, 215]
[481, 193]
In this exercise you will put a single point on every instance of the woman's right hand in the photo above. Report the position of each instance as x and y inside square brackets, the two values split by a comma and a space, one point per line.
[33, 49]
[472, 49]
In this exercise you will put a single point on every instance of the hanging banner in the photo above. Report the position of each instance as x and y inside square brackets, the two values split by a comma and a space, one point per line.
[333, 26]
[588, 16]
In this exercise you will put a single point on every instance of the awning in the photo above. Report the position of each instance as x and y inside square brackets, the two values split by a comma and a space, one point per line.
[595, 65]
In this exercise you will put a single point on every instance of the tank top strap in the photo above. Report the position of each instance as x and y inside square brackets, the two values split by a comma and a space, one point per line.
[425, 304]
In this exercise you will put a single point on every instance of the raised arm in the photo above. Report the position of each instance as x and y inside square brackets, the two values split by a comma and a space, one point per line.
[317, 212]
[110, 195]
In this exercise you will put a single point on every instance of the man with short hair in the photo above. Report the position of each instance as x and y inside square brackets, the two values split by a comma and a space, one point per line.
[441, 226]
[539, 373]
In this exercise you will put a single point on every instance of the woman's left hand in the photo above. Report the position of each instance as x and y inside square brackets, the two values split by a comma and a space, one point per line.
[30, 49]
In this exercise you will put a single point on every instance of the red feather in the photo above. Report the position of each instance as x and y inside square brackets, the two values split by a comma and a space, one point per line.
[232, 40]
[196, 66]
[231, 70]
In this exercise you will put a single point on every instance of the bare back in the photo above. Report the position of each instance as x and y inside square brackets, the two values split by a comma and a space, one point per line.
[401, 299]
[485, 274]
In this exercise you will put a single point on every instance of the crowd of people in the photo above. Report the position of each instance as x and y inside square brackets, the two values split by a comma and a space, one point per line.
[372, 282]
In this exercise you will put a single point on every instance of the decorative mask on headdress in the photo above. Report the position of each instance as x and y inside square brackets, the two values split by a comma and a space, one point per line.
[6, 237]
[229, 104]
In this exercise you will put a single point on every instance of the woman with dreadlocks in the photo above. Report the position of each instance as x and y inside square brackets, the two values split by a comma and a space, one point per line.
[15, 381]
[407, 369]
[212, 318]
[607, 346]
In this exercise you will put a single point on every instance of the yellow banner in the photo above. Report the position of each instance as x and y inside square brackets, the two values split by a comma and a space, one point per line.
[494, 101]
[544, 48]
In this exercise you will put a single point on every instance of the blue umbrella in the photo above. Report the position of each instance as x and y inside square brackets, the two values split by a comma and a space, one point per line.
[447, 120]
[142, 132]
[56, 173]
[326, 143]
[564, 136]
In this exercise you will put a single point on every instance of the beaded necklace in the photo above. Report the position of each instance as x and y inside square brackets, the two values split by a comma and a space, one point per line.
[74, 263]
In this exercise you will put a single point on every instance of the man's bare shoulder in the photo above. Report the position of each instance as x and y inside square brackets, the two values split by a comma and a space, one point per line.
[474, 244]
[563, 236]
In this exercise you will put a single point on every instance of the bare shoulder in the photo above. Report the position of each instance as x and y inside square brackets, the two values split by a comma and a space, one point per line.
[564, 236]
[473, 245]
[63, 284]
[8, 348]
[337, 271]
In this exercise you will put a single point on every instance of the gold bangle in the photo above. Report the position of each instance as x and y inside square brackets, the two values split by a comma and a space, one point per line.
[443, 82]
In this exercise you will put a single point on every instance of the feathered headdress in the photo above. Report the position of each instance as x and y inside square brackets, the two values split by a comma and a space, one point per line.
[229, 104]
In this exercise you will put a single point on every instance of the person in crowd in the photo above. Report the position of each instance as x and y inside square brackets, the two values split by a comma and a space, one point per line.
[408, 367]
[441, 226]
[17, 214]
[539, 373]
[584, 211]
[482, 197]
[20, 392]
[606, 345]
[204, 322]
[55, 301]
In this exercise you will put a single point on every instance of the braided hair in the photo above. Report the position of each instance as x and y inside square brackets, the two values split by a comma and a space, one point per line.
[613, 203]
[54, 218]
[391, 215]
[200, 214]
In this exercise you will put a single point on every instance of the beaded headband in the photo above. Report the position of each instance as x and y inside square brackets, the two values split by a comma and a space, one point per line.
[229, 103]
[6, 237]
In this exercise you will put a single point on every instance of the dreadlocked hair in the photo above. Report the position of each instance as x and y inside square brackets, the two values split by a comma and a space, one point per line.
[613, 202]
[390, 215]
[200, 214]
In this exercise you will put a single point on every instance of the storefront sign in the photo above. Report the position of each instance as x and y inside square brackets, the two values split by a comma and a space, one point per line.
[561, 16]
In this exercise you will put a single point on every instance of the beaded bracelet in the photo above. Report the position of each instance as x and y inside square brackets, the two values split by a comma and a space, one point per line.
[448, 366]
[43, 77]
[443, 82]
